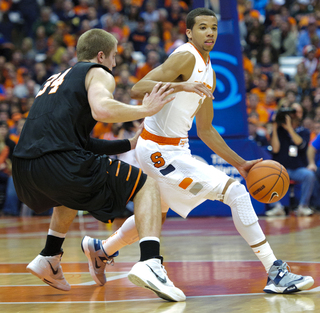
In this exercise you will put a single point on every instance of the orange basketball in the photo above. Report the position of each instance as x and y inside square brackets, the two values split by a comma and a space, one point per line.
[268, 181]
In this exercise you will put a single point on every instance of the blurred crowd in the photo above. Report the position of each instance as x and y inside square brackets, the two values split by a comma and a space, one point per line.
[38, 39]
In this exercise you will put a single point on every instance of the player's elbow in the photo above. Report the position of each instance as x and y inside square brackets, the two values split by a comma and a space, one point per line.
[101, 115]
[135, 94]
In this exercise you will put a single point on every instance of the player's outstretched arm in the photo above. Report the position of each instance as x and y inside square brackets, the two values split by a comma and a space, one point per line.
[177, 69]
[100, 86]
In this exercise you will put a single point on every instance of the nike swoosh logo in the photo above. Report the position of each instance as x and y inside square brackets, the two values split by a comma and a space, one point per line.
[162, 280]
[200, 71]
[55, 272]
[97, 266]
[274, 194]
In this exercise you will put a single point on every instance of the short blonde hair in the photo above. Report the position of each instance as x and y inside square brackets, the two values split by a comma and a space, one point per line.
[93, 41]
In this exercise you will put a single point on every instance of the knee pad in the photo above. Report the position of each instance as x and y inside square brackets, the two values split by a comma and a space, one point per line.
[238, 198]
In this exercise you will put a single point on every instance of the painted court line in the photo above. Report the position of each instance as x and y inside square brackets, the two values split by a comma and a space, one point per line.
[156, 299]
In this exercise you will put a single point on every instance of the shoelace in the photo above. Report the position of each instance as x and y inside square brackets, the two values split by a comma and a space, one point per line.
[163, 269]
[285, 268]
[109, 261]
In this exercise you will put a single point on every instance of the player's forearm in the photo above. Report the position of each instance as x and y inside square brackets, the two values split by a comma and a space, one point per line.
[217, 144]
[144, 86]
[113, 111]
[109, 147]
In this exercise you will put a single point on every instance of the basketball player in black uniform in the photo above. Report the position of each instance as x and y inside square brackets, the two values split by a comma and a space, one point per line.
[57, 164]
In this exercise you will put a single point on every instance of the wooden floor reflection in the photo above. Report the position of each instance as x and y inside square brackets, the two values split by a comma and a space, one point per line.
[205, 257]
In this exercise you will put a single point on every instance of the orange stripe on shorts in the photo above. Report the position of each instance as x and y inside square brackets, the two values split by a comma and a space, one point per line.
[118, 169]
[186, 183]
[129, 173]
[135, 185]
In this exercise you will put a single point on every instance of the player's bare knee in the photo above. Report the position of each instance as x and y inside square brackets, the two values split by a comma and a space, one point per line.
[238, 198]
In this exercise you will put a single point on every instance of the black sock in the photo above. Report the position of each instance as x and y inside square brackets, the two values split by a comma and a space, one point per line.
[149, 249]
[53, 246]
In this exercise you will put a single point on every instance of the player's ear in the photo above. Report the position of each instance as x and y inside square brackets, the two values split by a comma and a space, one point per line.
[100, 56]
[188, 33]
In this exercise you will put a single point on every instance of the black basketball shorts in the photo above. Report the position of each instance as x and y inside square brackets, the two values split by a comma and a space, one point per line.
[79, 180]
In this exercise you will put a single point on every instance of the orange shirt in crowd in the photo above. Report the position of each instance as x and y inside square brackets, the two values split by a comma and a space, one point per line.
[143, 71]
[262, 112]
[261, 94]
[101, 128]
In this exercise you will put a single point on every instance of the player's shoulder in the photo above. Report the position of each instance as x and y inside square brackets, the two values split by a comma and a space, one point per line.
[98, 72]
[182, 58]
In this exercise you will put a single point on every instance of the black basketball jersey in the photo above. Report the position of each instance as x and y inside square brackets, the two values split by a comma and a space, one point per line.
[60, 118]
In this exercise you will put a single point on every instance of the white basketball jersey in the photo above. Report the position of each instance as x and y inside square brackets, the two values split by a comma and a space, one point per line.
[175, 119]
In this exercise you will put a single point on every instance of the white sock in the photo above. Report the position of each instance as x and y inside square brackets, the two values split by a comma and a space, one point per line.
[56, 234]
[125, 235]
[265, 255]
[149, 238]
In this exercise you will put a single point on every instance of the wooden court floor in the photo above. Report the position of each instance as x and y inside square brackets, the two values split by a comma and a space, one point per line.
[205, 257]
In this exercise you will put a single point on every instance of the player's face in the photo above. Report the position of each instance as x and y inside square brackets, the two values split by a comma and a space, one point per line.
[204, 33]
[110, 61]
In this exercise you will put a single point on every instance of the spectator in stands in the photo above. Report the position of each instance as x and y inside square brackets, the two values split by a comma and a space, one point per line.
[301, 9]
[273, 9]
[305, 35]
[41, 40]
[255, 31]
[133, 14]
[175, 12]
[248, 81]
[262, 87]
[254, 106]
[92, 17]
[125, 79]
[266, 62]
[270, 103]
[154, 44]
[310, 61]
[289, 141]
[301, 73]
[5, 162]
[150, 15]
[280, 87]
[139, 37]
[267, 45]
[28, 52]
[152, 61]
[313, 154]
[284, 39]
[307, 105]
[40, 74]
[258, 134]
[45, 21]
[82, 8]
[28, 88]
[11, 203]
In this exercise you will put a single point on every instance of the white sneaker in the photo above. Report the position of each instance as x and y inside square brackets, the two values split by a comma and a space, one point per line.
[277, 210]
[280, 280]
[49, 270]
[151, 274]
[97, 258]
[303, 211]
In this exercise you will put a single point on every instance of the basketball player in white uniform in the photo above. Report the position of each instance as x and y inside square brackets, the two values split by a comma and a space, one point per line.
[163, 151]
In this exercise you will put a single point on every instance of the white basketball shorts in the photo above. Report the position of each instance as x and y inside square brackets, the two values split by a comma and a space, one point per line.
[184, 181]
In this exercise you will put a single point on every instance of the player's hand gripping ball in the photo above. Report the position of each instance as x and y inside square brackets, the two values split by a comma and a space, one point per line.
[268, 181]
